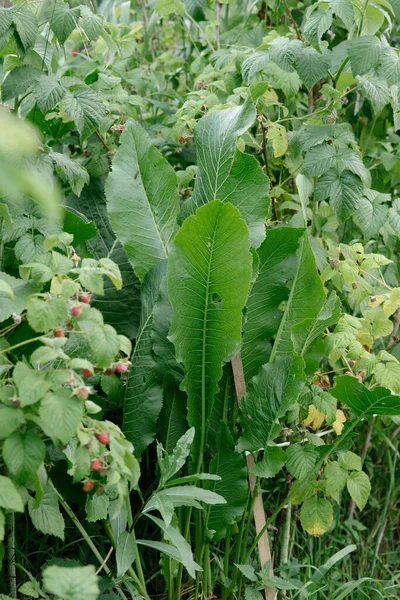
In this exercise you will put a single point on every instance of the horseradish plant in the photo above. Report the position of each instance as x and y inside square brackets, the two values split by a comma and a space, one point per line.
[245, 292]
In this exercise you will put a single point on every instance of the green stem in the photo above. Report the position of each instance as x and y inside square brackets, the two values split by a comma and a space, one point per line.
[87, 538]
[24, 343]
[12, 573]
[286, 535]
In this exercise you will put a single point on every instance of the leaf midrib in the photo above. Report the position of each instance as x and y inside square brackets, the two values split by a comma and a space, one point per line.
[289, 303]
[203, 357]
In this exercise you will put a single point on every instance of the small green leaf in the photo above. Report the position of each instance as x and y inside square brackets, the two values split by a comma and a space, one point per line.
[350, 461]
[46, 312]
[97, 507]
[301, 459]
[336, 477]
[91, 23]
[359, 487]
[125, 552]
[31, 384]
[272, 462]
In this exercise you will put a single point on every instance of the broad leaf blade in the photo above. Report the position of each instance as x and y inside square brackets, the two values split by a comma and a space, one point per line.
[215, 136]
[143, 397]
[142, 200]
[277, 256]
[270, 394]
[363, 401]
[209, 274]
[306, 284]
[230, 466]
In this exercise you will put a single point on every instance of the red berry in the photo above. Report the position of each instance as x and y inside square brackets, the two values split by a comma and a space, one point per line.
[97, 464]
[359, 377]
[121, 368]
[58, 332]
[74, 52]
[85, 297]
[103, 437]
[76, 310]
[82, 393]
[88, 485]
[87, 373]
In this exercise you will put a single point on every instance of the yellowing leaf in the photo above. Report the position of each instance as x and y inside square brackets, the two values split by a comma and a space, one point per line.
[316, 515]
[315, 418]
[338, 424]
[393, 303]
[278, 136]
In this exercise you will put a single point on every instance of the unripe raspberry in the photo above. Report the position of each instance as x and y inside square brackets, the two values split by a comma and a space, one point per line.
[82, 392]
[121, 368]
[96, 464]
[103, 472]
[85, 297]
[17, 318]
[76, 310]
[58, 332]
[110, 370]
[359, 377]
[88, 485]
[87, 373]
[100, 490]
[103, 437]
[334, 263]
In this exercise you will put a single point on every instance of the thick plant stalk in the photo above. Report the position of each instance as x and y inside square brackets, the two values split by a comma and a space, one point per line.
[12, 573]
[264, 549]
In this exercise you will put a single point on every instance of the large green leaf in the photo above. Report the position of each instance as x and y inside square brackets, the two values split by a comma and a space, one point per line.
[142, 200]
[23, 454]
[277, 268]
[46, 516]
[172, 423]
[86, 108]
[230, 466]
[143, 397]
[363, 401]
[71, 583]
[343, 189]
[364, 53]
[270, 394]
[209, 274]
[247, 188]
[215, 135]
[18, 82]
[9, 496]
[26, 25]
[63, 19]
[60, 414]
[303, 335]
[120, 308]
[306, 284]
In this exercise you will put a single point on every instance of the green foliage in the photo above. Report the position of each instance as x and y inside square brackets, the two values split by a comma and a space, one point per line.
[186, 189]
